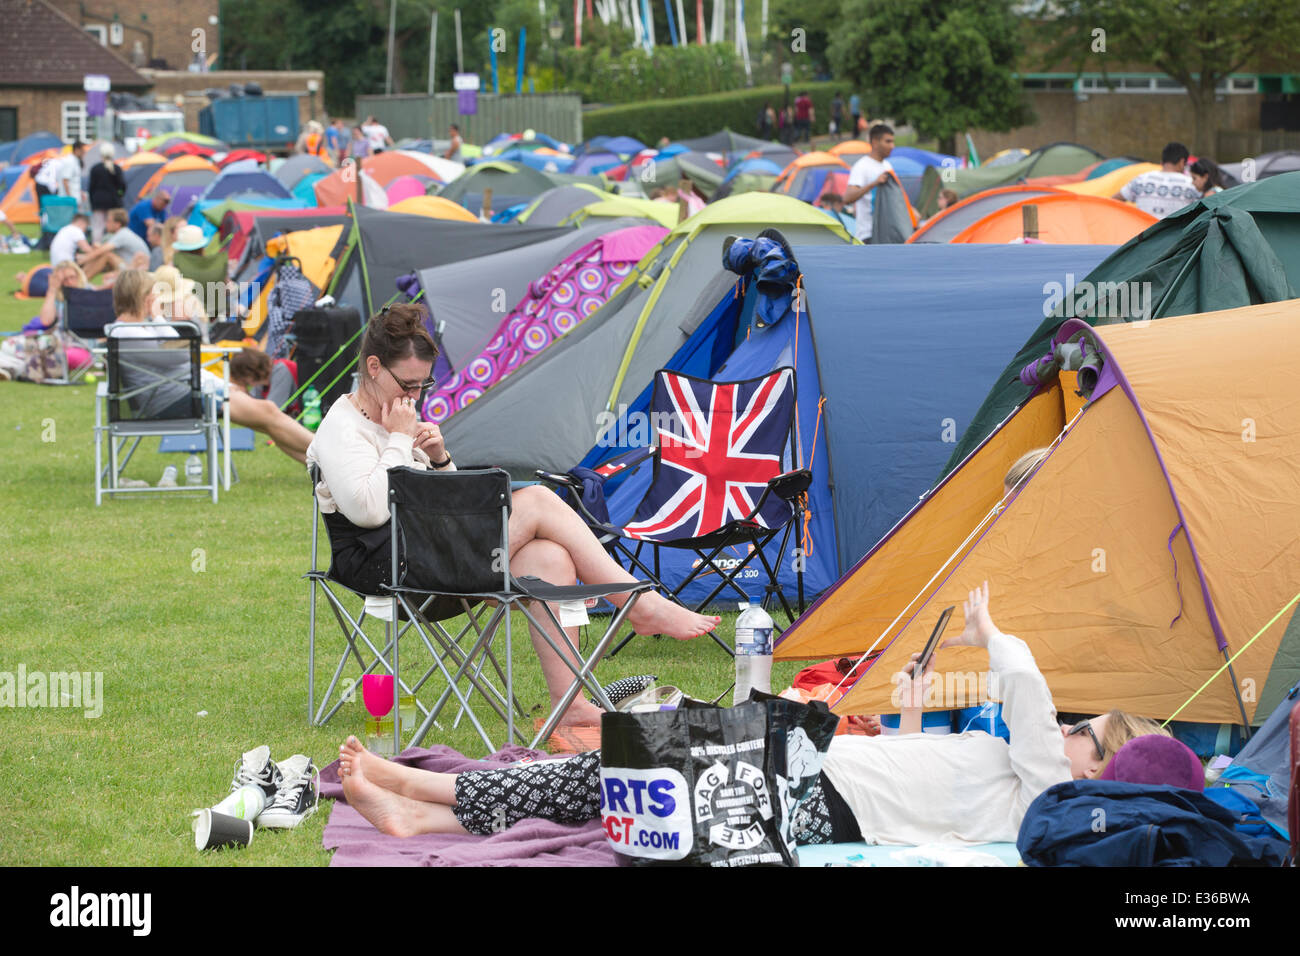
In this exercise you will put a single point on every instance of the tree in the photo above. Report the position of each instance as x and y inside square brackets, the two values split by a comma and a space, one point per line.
[1197, 44]
[943, 66]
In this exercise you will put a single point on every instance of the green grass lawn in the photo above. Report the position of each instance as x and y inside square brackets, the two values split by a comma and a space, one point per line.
[196, 616]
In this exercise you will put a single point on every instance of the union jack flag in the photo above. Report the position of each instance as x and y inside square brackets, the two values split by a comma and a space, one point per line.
[719, 444]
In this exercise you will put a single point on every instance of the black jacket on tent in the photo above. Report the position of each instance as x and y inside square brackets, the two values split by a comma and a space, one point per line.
[390, 244]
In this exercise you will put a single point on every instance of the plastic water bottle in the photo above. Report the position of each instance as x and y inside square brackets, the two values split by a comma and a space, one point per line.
[753, 652]
[168, 479]
[194, 470]
[311, 409]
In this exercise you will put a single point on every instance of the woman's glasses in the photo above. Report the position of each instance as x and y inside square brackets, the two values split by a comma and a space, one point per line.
[1086, 725]
[420, 387]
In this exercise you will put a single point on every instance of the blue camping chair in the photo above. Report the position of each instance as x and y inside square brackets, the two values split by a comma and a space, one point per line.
[719, 482]
[57, 212]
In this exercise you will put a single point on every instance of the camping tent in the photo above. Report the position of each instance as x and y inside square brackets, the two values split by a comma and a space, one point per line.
[510, 183]
[1063, 218]
[1155, 541]
[434, 207]
[1057, 159]
[181, 171]
[545, 415]
[857, 378]
[15, 151]
[235, 183]
[554, 205]
[1108, 184]
[704, 173]
[942, 226]
[384, 245]
[731, 145]
[21, 204]
[812, 174]
[1265, 165]
[480, 347]
[340, 187]
[293, 169]
[1235, 248]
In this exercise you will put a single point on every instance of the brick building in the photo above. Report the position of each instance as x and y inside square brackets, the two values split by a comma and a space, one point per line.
[143, 46]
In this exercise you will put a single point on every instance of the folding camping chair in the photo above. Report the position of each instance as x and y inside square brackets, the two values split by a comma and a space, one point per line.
[467, 650]
[207, 268]
[454, 530]
[719, 482]
[147, 381]
[86, 313]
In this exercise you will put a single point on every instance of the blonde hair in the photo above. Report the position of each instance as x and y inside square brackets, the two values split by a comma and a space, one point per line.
[1121, 727]
[169, 236]
[65, 265]
[106, 154]
[130, 291]
[1023, 466]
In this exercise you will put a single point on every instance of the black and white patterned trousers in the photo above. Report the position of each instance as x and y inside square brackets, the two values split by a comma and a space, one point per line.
[565, 791]
[568, 791]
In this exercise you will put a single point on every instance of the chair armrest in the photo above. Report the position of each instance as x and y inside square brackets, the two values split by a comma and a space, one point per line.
[562, 481]
[791, 484]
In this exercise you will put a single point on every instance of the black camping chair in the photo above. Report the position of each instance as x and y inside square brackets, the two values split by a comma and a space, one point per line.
[153, 389]
[453, 542]
[353, 623]
[719, 482]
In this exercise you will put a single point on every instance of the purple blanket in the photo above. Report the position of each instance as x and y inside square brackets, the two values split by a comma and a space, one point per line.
[527, 843]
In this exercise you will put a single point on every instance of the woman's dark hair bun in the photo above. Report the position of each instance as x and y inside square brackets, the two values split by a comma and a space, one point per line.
[397, 332]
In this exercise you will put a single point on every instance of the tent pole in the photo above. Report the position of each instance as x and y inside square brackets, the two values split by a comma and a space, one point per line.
[1236, 689]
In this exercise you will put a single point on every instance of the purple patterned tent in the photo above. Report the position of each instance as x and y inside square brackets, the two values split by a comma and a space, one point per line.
[555, 304]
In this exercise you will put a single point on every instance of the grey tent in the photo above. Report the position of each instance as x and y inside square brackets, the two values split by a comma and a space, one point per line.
[1264, 165]
[548, 414]
[294, 169]
[703, 172]
[468, 299]
[556, 204]
[725, 141]
[511, 184]
[384, 245]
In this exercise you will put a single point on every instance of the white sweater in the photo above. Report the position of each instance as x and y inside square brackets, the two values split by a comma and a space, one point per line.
[354, 455]
[957, 788]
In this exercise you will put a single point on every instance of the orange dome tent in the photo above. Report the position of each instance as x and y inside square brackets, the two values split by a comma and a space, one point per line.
[385, 167]
[1062, 218]
[944, 225]
[181, 171]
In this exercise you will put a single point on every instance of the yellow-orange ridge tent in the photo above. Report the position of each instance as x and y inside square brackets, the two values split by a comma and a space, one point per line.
[1158, 537]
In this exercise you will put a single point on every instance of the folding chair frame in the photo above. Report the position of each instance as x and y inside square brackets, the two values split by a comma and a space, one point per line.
[119, 432]
[514, 594]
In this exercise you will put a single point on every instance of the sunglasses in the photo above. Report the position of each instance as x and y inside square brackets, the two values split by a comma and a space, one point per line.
[1086, 725]
[420, 387]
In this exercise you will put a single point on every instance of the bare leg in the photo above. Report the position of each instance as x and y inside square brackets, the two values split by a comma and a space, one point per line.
[411, 782]
[550, 562]
[540, 514]
[263, 416]
[392, 813]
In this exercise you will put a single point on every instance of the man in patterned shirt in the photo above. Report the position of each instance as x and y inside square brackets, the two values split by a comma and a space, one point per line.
[1163, 191]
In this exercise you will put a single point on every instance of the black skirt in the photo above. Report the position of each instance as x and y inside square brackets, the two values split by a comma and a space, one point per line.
[362, 559]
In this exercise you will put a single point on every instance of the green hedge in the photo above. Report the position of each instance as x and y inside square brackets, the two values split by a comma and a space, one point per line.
[693, 116]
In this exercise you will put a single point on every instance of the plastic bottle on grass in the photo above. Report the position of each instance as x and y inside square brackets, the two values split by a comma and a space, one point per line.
[753, 652]
[194, 470]
[311, 409]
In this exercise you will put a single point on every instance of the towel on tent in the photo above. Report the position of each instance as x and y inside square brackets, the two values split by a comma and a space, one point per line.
[527, 843]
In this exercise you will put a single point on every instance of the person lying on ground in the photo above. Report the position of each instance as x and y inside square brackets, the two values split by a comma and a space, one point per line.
[378, 427]
[918, 788]
[135, 302]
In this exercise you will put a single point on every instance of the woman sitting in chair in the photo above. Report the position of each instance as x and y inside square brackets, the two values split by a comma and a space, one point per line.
[135, 296]
[378, 427]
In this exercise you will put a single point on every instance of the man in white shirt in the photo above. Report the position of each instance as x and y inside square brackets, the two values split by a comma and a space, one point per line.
[1163, 191]
[69, 172]
[376, 134]
[69, 243]
[868, 173]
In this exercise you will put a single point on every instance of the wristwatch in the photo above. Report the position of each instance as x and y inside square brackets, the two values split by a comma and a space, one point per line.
[441, 464]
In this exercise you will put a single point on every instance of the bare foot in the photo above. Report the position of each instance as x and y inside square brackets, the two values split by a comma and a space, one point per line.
[385, 810]
[353, 756]
[581, 713]
[655, 614]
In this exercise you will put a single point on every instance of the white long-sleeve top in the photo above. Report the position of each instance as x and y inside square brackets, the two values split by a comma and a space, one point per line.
[957, 788]
[354, 455]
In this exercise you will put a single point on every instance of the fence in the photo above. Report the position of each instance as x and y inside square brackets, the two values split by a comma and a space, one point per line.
[420, 116]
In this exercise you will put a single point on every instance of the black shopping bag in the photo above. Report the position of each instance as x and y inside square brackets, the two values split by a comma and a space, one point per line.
[710, 786]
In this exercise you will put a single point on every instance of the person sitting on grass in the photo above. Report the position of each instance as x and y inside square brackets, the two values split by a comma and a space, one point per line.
[912, 789]
[135, 300]
[378, 427]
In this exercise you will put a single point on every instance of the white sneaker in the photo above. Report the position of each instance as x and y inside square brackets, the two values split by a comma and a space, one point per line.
[257, 767]
[297, 796]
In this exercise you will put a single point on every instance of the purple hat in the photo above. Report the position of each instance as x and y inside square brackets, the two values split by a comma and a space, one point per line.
[1156, 760]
